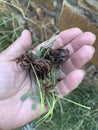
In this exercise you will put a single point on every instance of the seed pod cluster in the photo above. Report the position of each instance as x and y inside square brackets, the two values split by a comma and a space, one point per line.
[49, 58]
[42, 67]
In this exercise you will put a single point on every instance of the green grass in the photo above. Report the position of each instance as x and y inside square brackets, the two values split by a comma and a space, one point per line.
[70, 116]
[73, 117]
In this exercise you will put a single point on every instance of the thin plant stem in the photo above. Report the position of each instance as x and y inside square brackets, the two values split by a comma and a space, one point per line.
[68, 100]
[41, 95]
[51, 108]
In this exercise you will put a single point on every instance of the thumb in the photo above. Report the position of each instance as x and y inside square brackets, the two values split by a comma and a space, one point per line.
[19, 47]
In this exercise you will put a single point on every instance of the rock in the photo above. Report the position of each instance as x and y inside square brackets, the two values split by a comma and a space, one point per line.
[91, 5]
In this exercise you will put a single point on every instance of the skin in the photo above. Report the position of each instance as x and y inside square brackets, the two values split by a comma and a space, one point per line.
[14, 81]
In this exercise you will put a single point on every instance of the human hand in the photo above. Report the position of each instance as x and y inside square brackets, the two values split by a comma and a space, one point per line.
[14, 81]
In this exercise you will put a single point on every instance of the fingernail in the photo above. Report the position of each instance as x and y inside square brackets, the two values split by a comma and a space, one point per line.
[94, 36]
[83, 72]
[93, 49]
[23, 32]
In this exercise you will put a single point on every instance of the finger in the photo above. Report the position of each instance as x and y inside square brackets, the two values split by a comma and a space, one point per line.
[62, 39]
[66, 37]
[79, 58]
[19, 47]
[86, 38]
[71, 81]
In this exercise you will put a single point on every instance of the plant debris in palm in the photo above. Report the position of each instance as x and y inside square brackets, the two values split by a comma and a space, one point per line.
[45, 66]
[48, 59]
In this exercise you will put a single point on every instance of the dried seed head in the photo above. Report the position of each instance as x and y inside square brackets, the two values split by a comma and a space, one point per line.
[58, 56]
[27, 59]
[42, 67]
[25, 65]
[47, 86]
[30, 56]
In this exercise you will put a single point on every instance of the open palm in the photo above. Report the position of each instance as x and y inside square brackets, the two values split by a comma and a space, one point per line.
[14, 81]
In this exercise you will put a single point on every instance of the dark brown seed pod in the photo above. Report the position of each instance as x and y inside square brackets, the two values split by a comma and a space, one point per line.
[58, 56]
[42, 67]
[30, 57]
[27, 59]
[47, 86]
[24, 64]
